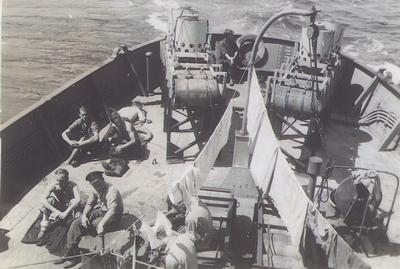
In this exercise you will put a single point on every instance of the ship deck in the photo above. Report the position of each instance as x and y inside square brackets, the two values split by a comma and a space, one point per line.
[143, 188]
[145, 185]
[349, 146]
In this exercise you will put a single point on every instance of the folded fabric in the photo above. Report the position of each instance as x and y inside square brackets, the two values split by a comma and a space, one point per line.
[116, 167]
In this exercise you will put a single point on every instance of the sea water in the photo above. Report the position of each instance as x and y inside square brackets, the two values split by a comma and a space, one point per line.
[45, 43]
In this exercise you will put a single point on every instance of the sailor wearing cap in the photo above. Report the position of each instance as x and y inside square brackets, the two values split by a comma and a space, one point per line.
[102, 212]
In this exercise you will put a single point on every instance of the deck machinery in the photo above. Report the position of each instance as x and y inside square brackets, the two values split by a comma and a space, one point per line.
[194, 86]
[302, 88]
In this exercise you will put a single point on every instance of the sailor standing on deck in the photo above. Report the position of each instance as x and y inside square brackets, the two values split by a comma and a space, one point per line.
[81, 135]
[103, 212]
[226, 51]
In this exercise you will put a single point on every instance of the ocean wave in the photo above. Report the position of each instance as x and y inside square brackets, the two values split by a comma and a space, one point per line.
[376, 46]
[368, 47]
[351, 50]
[158, 21]
[167, 3]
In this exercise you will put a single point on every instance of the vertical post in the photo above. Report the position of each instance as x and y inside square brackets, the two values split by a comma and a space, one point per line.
[148, 55]
[134, 253]
[314, 167]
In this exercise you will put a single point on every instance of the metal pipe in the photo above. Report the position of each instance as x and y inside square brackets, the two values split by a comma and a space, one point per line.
[148, 55]
[265, 27]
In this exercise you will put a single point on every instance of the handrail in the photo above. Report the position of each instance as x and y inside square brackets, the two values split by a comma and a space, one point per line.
[370, 72]
[265, 27]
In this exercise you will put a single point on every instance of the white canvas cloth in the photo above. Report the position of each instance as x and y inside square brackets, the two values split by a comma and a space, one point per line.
[268, 162]
[194, 176]
[256, 112]
[206, 159]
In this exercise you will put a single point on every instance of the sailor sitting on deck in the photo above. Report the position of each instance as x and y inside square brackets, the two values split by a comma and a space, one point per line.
[103, 212]
[122, 135]
[138, 117]
[180, 248]
[198, 220]
[82, 136]
[135, 113]
[197, 217]
[176, 208]
[59, 201]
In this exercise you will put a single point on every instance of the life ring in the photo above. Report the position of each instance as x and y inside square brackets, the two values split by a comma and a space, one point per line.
[245, 45]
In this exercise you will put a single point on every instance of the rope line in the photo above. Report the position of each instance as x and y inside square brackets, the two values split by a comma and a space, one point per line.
[54, 260]
[91, 258]
[140, 262]
[94, 253]
[140, 218]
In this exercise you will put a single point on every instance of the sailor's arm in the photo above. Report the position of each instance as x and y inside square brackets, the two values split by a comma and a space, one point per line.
[73, 204]
[235, 54]
[114, 205]
[66, 138]
[132, 137]
[67, 132]
[90, 140]
[87, 209]
[231, 58]
[46, 203]
[108, 133]
[94, 138]
[141, 116]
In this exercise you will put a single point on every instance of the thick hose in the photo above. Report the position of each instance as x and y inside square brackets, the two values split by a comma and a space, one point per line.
[283, 13]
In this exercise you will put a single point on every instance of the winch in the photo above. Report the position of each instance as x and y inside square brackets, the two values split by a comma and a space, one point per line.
[303, 86]
[195, 86]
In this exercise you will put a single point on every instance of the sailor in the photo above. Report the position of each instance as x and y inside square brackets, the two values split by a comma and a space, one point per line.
[59, 201]
[82, 135]
[198, 220]
[176, 208]
[103, 212]
[226, 51]
[122, 135]
[182, 253]
[138, 117]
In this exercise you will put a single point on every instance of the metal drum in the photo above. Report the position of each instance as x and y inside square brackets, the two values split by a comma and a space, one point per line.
[291, 101]
[195, 92]
[294, 97]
